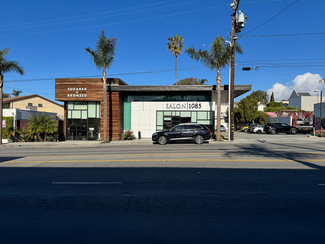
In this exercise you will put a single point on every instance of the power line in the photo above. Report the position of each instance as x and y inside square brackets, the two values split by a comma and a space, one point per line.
[96, 14]
[116, 23]
[297, 34]
[101, 17]
[120, 74]
[272, 17]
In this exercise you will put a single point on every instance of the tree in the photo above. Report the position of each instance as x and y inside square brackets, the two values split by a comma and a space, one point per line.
[192, 81]
[322, 122]
[247, 107]
[16, 93]
[272, 98]
[217, 58]
[103, 57]
[261, 117]
[175, 46]
[41, 125]
[5, 67]
[5, 95]
[261, 96]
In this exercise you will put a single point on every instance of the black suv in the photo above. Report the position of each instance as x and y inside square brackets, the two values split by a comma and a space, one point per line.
[273, 128]
[194, 132]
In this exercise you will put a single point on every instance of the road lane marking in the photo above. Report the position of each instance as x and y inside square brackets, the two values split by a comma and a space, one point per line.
[161, 154]
[169, 160]
[86, 183]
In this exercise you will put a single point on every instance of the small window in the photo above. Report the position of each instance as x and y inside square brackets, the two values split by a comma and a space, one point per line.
[40, 105]
[30, 104]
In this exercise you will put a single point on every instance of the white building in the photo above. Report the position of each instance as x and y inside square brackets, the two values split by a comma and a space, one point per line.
[303, 101]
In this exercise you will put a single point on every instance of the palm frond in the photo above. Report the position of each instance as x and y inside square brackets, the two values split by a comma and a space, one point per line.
[175, 44]
[105, 50]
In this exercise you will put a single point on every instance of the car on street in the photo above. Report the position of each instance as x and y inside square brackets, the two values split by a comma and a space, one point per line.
[188, 131]
[244, 128]
[259, 129]
[300, 122]
[222, 128]
[273, 128]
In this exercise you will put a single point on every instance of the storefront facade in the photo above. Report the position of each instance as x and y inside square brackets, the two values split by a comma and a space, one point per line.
[141, 109]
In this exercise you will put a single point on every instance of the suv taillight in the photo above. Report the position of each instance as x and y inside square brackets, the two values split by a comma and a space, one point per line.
[209, 131]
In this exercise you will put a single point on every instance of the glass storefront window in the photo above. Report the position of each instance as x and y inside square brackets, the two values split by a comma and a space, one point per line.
[83, 120]
[84, 114]
[80, 105]
[70, 105]
[91, 110]
[200, 117]
[160, 120]
[76, 114]
[186, 114]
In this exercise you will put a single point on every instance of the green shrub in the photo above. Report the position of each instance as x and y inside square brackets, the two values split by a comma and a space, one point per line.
[8, 128]
[305, 130]
[127, 135]
[322, 122]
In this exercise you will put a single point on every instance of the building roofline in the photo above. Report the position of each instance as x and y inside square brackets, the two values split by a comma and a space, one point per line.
[20, 98]
[238, 89]
[176, 88]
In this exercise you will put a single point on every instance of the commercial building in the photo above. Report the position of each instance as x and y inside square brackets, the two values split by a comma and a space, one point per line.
[142, 109]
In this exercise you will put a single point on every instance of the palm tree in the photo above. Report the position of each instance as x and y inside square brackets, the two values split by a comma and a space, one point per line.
[42, 124]
[217, 58]
[175, 46]
[5, 67]
[103, 57]
[16, 93]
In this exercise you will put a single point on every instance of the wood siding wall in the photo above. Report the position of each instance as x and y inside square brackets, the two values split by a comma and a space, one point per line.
[113, 114]
[94, 92]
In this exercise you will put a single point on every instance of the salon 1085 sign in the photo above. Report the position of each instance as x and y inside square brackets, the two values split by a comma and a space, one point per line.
[206, 106]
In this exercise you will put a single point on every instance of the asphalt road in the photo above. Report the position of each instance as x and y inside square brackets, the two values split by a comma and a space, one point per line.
[258, 191]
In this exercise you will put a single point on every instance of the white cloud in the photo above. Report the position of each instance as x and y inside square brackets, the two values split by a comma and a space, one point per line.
[302, 83]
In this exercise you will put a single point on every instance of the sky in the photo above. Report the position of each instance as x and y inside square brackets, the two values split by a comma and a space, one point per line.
[282, 42]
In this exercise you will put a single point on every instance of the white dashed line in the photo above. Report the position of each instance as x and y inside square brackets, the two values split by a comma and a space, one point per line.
[87, 183]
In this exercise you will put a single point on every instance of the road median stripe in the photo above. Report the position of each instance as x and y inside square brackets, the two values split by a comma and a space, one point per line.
[169, 160]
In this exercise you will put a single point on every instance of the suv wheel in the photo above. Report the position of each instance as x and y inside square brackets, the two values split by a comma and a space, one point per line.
[258, 132]
[293, 131]
[273, 132]
[198, 139]
[162, 140]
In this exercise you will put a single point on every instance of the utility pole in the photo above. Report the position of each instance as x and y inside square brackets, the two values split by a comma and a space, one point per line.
[234, 6]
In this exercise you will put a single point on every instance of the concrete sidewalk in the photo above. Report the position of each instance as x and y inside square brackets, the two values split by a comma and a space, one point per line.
[238, 139]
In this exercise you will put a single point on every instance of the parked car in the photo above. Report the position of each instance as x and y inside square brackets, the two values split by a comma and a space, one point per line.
[273, 128]
[192, 132]
[222, 128]
[244, 128]
[251, 127]
[300, 122]
[257, 129]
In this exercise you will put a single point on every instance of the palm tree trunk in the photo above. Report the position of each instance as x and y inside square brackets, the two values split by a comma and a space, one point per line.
[1, 89]
[218, 105]
[104, 106]
[175, 70]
